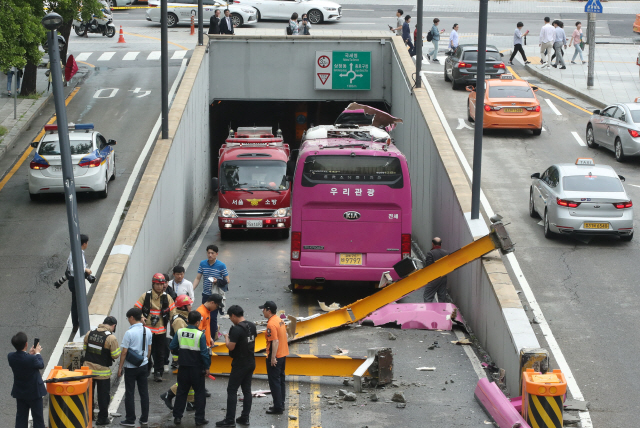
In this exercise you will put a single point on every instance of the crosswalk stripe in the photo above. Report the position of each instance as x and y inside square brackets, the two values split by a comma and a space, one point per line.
[106, 56]
[83, 56]
[130, 56]
[178, 54]
[154, 55]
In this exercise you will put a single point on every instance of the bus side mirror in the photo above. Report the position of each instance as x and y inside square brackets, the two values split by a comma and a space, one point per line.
[535, 175]
[215, 183]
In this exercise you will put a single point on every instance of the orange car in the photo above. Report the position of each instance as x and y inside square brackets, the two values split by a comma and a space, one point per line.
[509, 103]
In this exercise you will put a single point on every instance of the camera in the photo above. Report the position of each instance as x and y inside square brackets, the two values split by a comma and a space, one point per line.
[154, 320]
[60, 281]
[89, 278]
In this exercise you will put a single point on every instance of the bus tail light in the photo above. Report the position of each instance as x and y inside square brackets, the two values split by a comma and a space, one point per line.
[405, 245]
[296, 245]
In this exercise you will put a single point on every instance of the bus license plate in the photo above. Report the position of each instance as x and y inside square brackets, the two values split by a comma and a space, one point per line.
[512, 110]
[350, 259]
[596, 225]
[254, 223]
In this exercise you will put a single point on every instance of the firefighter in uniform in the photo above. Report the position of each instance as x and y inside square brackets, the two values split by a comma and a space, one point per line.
[195, 360]
[183, 307]
[158, 308]
[101, 350]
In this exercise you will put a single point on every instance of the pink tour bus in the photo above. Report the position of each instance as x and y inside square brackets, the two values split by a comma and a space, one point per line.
[351, 202]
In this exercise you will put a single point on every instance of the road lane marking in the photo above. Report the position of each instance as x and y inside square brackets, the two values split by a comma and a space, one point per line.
[585, 417]
[130, 56]
[30, 149]
[83, 56]
[475, 362]
[178, 54]
[154, 55]
[106, 56]
[294, 401]
[315, 400]
[463, 124]
[155, 38]
[578, 139]
[634, 185]
[552, 107]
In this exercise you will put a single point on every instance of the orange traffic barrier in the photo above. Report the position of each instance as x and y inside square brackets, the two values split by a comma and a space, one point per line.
[70, 402]
[121, 38]
[193, 27]
[636, 24]
[543, 398]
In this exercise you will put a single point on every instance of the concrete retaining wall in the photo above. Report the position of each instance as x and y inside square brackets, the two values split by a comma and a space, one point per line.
[169, 202]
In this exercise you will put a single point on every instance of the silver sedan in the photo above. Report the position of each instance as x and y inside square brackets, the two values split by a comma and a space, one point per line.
[616, 128]
[581, 199]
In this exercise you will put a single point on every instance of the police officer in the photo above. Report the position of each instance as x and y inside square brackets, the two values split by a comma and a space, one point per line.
[158, 308]
[195, 360]
[101, 350]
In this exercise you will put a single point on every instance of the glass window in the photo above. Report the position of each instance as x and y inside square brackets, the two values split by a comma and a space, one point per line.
[609, 112]
[554, 177]
[545, 176]
[101, 142]
[78, 147]
[619, 114]
[635, 116]
[352, 170]
[254, 175]
[591, 183]
[473, 56]
[510, 91]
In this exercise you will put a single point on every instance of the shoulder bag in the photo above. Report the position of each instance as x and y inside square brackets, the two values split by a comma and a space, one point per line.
[135, 358]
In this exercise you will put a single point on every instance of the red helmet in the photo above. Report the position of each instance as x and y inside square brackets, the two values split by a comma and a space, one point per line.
[183, 300]
[159, 278]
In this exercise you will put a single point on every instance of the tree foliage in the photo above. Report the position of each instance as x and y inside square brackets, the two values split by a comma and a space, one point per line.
[21, 32]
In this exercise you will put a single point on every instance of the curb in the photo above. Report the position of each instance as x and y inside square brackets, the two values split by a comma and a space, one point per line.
[565, 87]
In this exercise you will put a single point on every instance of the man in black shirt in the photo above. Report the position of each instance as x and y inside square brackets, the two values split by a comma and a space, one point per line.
[241, 344]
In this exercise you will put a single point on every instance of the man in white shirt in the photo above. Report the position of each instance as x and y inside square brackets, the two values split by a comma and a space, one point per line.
[559, 42]
[547, 37]
[453, 38]
[180, 285]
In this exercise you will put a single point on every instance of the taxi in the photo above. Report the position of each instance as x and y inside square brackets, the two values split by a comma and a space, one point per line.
[581, 199]
[92, 155]
[509, 103]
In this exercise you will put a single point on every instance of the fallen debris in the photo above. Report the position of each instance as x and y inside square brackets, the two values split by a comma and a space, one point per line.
[392, 336]
[342, 392]
[341, 351]
[423, 316]
[351, 396]
[570, 420]
[426, 369]
[461, 342]
[581, 406]
[329, 308]
[398, 397]
[293, 417]
[260, 393]
[374, 397]
[331, 402]
[346, 381]
[401, 405]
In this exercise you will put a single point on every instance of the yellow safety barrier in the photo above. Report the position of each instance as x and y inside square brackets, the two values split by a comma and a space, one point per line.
[498, 238]
[70, 402]
[543, 398]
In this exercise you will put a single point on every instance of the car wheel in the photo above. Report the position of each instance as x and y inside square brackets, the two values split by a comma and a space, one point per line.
[626, 238]
[469, 118]
[454, 85]
[80, 31]
[284, 234]
[113, 176]
[537, 131]
[591, 141]
[620, 157]
[315, 16]
[34, 196]
[532, 210]
[446, 76]
[172, 20]
[547, 229]
[236, 20]
[225, 235]
[103, 194]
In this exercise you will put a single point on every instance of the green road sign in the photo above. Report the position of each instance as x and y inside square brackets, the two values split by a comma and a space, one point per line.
[343, 70]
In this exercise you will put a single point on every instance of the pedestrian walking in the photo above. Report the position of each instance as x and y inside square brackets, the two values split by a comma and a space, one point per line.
[305, 25]
[399, 22]
[195, 360]
[547, 37]
[560, 41]
[216, 279]
[434, 37]
[158, 308]
[209, 310]
[437, 286]
[241, 344]
[136, 348]
[28, 387]
[179, 285]
[406, 35]
[454, 39]
[277, 351]
[578, 45]
[226, 24]
[69, 275]
[214, 23]
[101, 350]
[293, 25]
[517, 44]
[10, 74]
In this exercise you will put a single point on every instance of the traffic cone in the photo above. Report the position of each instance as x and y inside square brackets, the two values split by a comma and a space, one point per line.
[193, 28]
[121, 38]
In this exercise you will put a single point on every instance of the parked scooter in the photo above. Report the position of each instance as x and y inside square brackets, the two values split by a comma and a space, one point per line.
[102, 26]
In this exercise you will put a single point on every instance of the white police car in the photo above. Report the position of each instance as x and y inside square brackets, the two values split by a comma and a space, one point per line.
[92, 156]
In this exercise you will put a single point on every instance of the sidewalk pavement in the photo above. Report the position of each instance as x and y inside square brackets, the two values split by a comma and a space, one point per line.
[26, 108]
[615, 73]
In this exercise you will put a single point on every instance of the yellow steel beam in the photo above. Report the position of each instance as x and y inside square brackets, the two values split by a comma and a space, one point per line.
[297, 364]
[363, 307]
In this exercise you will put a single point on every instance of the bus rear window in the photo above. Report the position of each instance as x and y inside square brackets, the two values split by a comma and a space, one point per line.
[347, 169]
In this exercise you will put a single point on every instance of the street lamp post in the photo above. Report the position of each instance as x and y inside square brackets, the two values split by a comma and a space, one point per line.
[200, 24]
[52, 21]
[164, 69]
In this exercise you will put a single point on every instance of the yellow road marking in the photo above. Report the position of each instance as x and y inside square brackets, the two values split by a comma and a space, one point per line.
[316, 417]
[553, 95]
[86, 63]
[294, 401]
[154, 38]
[30, 149]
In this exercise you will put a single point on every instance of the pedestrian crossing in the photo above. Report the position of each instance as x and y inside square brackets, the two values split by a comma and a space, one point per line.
[128, 56]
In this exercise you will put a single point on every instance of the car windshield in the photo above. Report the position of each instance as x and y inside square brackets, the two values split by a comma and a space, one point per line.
[591, 183]
[78, 147]
[635, 116]
[510, 91]
[473, 56]
[254, 175]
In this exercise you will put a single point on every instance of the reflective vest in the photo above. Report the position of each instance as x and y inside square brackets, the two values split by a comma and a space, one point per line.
[96, 352]
[189, 353]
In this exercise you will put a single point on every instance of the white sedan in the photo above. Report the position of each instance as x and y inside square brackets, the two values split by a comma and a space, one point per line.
[180, 12]
[92, 156]
[317, 10]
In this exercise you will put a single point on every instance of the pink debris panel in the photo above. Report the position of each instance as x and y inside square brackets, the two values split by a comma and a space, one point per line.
[494, 402]
[421, 316]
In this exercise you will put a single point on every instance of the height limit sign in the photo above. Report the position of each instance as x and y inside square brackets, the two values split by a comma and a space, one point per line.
[343, 70]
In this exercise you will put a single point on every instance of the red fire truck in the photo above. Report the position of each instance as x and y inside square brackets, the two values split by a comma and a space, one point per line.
[254, 191]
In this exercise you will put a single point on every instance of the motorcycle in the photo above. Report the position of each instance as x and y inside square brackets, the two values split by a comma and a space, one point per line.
[102, 26]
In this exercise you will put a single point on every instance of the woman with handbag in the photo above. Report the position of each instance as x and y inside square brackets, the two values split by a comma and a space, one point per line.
[576, 40]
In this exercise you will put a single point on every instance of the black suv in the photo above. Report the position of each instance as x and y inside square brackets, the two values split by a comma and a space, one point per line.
[460, 67]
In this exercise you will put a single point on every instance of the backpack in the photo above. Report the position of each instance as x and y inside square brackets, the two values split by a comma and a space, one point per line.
[430, 36]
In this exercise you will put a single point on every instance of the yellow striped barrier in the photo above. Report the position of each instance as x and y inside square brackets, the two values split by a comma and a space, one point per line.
[543, 398]
[70, 402]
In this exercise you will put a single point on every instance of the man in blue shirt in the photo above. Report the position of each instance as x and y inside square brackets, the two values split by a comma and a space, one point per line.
[133, 340]
[406, 35]
[216, 280]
